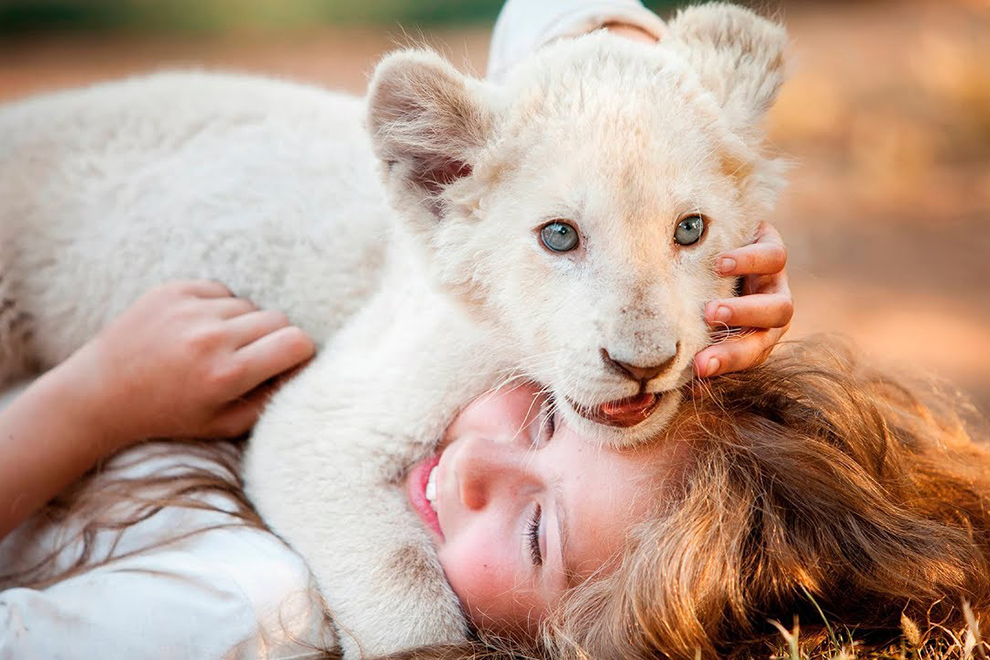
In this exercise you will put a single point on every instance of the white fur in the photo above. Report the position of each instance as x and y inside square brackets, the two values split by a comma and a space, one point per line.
[269, 188]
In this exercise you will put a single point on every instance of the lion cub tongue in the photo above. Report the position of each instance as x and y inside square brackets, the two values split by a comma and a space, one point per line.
[627, 412]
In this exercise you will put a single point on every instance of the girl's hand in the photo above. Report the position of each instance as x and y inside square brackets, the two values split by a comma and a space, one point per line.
[763, 312]
[186, 360]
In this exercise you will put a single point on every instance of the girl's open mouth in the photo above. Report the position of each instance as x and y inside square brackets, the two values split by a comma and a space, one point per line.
[622, 413]
[421, 487]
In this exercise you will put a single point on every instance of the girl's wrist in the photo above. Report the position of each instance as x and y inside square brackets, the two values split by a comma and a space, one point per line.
[54, 431]
[80, 389]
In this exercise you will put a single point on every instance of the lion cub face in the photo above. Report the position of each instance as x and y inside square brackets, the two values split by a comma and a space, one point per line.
[581, 206]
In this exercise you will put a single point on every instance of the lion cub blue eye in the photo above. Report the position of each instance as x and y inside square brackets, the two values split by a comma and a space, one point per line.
[689, 230]
[559, 237]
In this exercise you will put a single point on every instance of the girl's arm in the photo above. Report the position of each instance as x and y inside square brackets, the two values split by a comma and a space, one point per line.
[186, 360]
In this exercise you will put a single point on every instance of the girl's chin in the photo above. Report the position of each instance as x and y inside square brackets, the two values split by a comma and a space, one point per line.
[416, 483]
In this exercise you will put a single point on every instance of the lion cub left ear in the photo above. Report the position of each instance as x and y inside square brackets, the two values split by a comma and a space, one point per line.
[738, 56]
[428, 123]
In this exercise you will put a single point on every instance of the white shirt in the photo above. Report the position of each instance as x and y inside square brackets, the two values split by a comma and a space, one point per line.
[233, 592]
[229, 592]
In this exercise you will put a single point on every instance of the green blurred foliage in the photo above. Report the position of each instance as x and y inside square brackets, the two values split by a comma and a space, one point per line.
[18, 16]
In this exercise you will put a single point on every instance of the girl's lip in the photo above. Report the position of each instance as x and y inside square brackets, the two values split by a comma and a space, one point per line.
[416, 489]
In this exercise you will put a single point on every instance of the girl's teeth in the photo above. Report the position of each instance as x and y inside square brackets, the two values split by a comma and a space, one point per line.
[431, 488]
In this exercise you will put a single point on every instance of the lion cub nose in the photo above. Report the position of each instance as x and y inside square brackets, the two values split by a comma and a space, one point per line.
[638, 373]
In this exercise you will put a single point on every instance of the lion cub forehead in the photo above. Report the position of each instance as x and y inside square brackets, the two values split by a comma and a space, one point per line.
[598, 73]
[606, 99]
[612, 114]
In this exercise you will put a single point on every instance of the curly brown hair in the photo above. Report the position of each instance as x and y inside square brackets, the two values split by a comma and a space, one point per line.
[817, 488]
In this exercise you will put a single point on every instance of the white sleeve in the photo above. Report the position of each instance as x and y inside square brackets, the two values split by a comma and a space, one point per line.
[225, 593]
[525, 25]
[183, 583]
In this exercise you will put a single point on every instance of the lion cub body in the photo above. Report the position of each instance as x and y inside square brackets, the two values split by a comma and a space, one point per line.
[108, 191]
[271, 188]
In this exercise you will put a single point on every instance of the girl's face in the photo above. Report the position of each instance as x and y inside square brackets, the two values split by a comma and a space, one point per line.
[520, 507]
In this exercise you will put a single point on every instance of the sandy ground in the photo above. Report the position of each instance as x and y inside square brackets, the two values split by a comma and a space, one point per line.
[886, 119]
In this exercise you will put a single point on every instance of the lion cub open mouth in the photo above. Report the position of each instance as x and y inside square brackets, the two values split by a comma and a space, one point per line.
[622, 413]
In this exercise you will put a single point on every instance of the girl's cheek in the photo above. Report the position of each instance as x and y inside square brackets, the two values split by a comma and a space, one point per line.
[476, 576]
[458, 568]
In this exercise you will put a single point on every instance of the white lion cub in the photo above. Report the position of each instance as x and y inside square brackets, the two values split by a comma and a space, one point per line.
[560, 228]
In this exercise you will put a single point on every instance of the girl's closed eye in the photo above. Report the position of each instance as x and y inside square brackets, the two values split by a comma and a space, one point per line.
[533, 534]
[549, 414]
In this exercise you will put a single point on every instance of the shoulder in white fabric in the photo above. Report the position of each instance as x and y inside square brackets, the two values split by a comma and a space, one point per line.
[561, 227]
[524, 26]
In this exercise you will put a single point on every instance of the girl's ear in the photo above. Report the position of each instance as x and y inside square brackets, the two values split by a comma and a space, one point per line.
[738, 56]
[428, 122]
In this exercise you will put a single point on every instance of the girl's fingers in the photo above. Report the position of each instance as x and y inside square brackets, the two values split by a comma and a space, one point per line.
[201, 288]
[209, 299]
[269, 356]
[738, 353]
[254, 325]
[755, 259]
[766, 310]
[229, 308]
[239, 416]
[764, 256]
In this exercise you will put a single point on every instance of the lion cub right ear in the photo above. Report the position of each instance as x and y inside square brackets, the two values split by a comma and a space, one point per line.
[428, 123]
[738, 56]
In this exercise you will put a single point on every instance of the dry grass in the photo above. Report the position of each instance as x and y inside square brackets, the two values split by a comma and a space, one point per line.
[918, 641]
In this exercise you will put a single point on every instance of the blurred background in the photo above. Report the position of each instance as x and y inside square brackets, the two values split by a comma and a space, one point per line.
[886, 119]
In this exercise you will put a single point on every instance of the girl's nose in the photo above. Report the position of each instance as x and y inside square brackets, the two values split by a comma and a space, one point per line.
[487, 470]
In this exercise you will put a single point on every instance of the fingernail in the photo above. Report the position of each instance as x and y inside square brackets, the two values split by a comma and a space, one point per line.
[713, 365]
[723, 314]
[726, 265]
